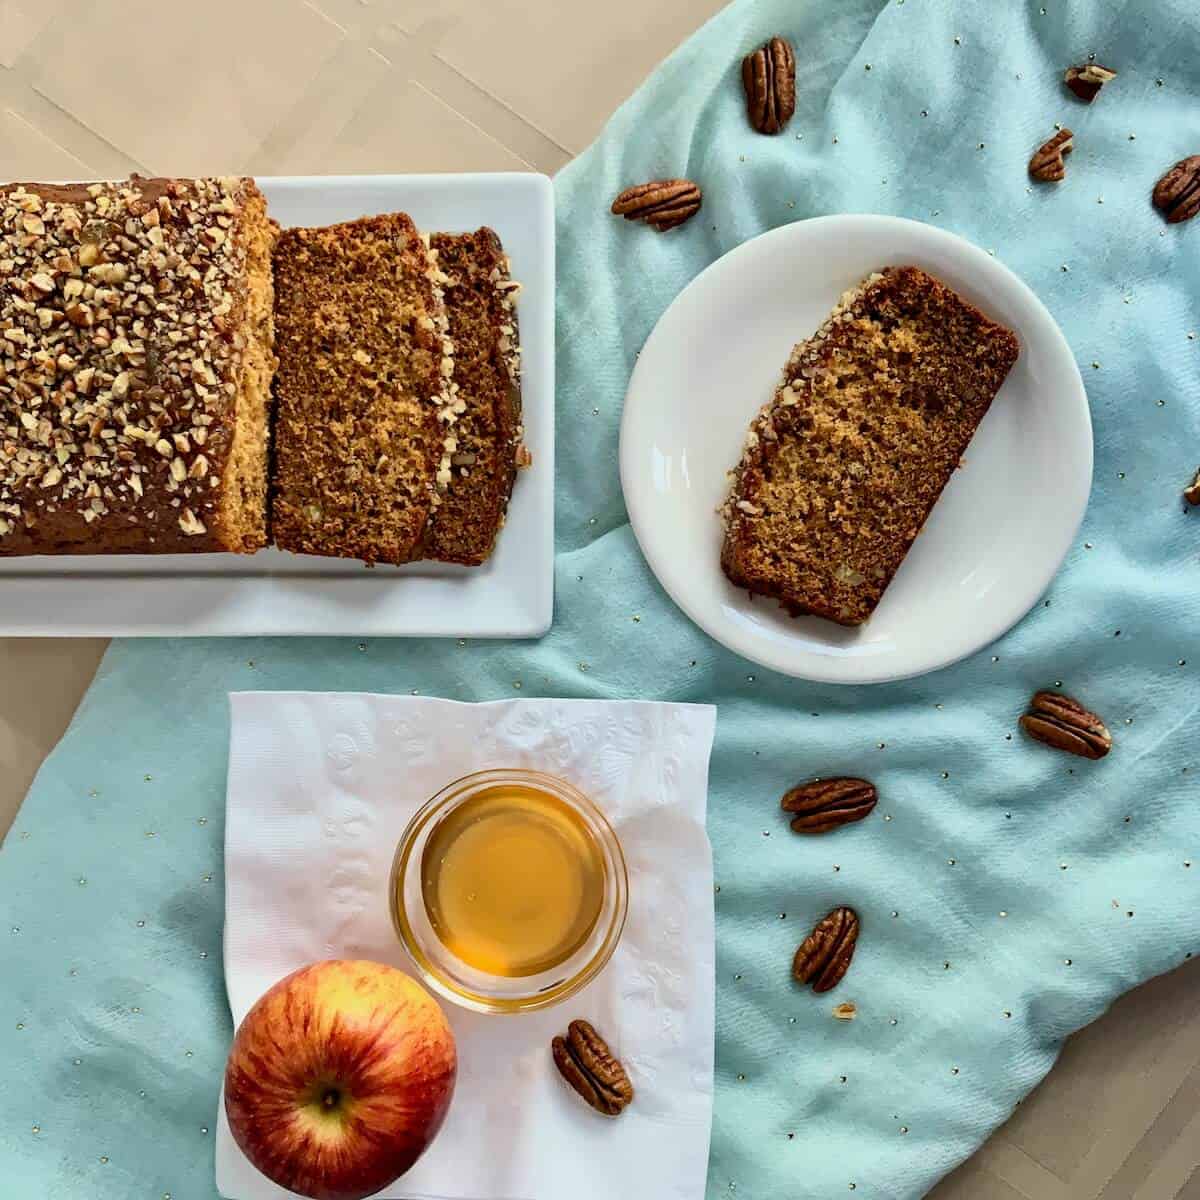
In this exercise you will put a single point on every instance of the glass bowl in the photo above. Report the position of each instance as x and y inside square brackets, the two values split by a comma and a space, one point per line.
[457, 980]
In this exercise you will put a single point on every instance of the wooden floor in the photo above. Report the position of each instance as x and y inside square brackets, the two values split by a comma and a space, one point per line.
[113, 86]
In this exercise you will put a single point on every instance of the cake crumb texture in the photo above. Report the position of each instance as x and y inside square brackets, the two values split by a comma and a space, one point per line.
[481, 307]
[842, 468]
[365, 410]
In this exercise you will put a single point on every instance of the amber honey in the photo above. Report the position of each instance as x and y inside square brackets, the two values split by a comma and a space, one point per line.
[513, 880]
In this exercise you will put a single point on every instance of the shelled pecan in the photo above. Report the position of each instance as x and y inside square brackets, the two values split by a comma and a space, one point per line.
[1065, 724]
[662, 203]
[584, 1060]
[825, 804]
[824, 956]
[769, 77]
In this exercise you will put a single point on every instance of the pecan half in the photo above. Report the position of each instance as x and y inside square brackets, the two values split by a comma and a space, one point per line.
[826, 804]
[1177, 193]
[1047, 165]
[1087, 80]
[1192, 494]
[584, 1060]
[824, 956]
[769, 77]
[663, 203]
[1065, 724]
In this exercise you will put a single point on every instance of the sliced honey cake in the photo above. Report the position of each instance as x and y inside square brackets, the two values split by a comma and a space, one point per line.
[135, 366]
[480, 304]
[842, 468]
[364, 407]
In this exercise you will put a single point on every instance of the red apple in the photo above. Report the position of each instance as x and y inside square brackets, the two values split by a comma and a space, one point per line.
[339, 1077]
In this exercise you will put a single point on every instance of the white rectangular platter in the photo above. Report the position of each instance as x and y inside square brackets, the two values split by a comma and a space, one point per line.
[277, 593]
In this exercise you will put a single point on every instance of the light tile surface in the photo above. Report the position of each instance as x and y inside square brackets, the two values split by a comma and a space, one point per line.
[111, 86]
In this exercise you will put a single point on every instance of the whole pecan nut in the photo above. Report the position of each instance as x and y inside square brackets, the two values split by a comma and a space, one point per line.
[769, 77]
[824, 956]
[584, 1060]
[1085, 81]
[1065, 724]
[1177, 193]
[663, 203]
[1047, 165]
[825, 804]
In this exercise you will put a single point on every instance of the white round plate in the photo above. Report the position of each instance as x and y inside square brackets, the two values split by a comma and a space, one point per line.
[993, 541]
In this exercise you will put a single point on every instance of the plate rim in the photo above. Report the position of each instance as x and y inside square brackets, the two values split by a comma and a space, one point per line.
[638, 501]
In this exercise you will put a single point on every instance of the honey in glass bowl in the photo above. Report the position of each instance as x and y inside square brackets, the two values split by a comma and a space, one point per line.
[512, 880]
[509, 890]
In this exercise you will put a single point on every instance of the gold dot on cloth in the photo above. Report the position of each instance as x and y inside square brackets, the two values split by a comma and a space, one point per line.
[1127, 820]
[790, 1136]
[737, 979]
[1058, 683]
[20, 1024]
[841, 1078]
[583, 666]
[716, 887]
[741, 1078]
[1187, 862]
[945, 774]
[958, 41]
[517, 684]
[883, 745]
[749, 678]
[791, 1020]
[636, 619]
[135, 1009]
[77, 1061]
[187, 1054]
[595, 412]
[1008, 816]
[1158, 83]
[836, 867]
[903, 1128]
[995, 658]
[835, 140]
[1095, 366]
[951, 861]
[142, 1095]
[1183, 662]
[1087, 545]
[37, 1129]
[1007, 1014]
[1129, 914]
[206, 878]
[141, 924]
[893, 1021]
[1066, 962]
[783, 916]
[982, 145]
[1099, 199]
[853, 1186]
[250, 663]
[924, 112]
[887, 816]
[203, 953]
[362, 646]
[591, 520]
[1062, 866]
[953, 1070]
[148, 778]
[204, 1129]
[1161, 403]
[150, 833]
[82, 881]
[73, 971]
[945, 966]
[104, 1158]
[939, 707]
[867, 66]
[1003, 913]
[201, 820]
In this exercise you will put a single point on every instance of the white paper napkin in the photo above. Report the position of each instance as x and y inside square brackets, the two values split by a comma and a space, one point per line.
[320, 788]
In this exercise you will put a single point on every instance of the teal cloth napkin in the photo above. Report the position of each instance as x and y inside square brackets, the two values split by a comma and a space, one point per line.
[1007, 892]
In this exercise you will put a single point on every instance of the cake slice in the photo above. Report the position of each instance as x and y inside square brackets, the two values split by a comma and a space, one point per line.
[364, 406]
[843, 466]
[480, 304]
[135, 366]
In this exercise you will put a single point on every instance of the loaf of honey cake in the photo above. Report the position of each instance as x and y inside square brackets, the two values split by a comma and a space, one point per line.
[843, 466]
[480, 304]
[365, 408]
[135, 366]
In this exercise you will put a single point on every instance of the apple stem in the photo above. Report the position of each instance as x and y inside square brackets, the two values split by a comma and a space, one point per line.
[330, 1098]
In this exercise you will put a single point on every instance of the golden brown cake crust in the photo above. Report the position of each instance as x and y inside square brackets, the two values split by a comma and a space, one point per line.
[126, 324]
[362, 392]
[483, 326]
[842, 468]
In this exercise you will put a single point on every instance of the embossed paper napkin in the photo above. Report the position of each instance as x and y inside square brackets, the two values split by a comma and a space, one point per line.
[320, 788]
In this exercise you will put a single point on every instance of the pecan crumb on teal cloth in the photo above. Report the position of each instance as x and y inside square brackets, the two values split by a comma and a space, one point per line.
[1007, 892]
